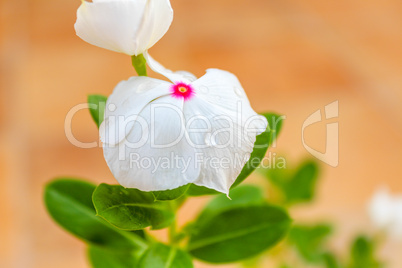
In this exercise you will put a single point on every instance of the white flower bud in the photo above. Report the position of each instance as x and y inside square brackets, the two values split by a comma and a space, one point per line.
[126, 26]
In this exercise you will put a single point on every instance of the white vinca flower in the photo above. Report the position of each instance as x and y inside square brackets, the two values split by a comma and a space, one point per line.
[160, 135]
[126, 26]
[385, 211]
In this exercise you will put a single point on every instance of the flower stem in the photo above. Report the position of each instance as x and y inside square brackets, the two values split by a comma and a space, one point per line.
[173, 233]
[174, 236]
[140, 64]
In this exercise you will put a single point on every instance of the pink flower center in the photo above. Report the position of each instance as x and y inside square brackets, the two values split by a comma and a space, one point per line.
[182, 90]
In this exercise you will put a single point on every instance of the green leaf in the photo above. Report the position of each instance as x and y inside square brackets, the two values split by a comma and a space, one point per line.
[105, 258]
[263, 141]
[139, 64]
[238, 233]
[163, 256]
[195, 190]
[310, 240]
[241, 196]
[69, 202]
[363, 254]
[97, 104]
[171, 194]
[130, 209]
[299, 186]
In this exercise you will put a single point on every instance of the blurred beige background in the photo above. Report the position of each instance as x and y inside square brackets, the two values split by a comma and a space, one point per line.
[292, 57]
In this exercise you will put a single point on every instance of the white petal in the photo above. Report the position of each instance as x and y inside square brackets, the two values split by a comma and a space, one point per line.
[187, 75]
[126, 102]
[222, 143]
[157, 20]
[223, 89]
[180, 76]
[155, 155]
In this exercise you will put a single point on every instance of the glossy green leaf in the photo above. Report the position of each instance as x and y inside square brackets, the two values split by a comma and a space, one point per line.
[69, 202]
[298, 186]
[106, 258]
[241, 196]
[244, 195]
[139, 64]
[163, 256]
[238, 233]
[263, 141]
[195, 190]
[310, 240]
[363, 254]
[171, 194]
[130, 209]
[97, 104]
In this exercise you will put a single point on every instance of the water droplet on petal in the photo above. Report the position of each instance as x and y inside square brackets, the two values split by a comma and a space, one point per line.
[213, 142]
[247, 157]
[141, 88]
[238, 91]
[189, 78]
[146, 85]
[204, 89]
[207, 139]
[210, 140]
[112, 107]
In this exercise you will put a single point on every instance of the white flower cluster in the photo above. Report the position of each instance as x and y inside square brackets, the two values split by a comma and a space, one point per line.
[385, 211]
[195, 116]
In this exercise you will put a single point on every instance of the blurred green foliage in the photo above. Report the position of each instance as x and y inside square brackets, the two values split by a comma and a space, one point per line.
[310, 241]
[295, 186]
[362, 254]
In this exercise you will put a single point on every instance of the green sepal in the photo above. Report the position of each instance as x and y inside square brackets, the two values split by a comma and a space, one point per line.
[140, 64]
